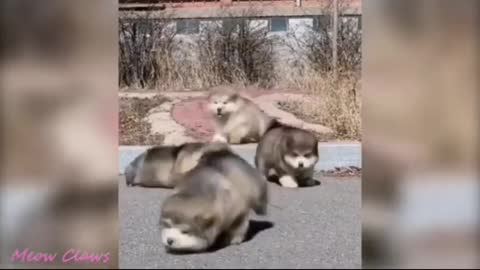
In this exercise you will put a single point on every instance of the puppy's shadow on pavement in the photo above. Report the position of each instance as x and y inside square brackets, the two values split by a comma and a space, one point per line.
[254, 228]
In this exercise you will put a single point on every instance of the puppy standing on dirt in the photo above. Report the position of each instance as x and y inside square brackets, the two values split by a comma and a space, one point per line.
[161, 166]
[238, 120]
[213, 199]
[290, 154]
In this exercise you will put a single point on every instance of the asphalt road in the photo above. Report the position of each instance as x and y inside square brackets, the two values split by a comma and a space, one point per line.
[317, 227]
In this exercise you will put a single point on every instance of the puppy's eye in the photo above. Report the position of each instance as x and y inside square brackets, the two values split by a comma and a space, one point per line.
[224, 103]
[294, 155]
[308, 155]
[185, 231]
[215, 102]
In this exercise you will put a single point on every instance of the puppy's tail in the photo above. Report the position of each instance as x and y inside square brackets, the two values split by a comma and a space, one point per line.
[131, 170]
[260, 205]
[129, 175]
[274, 123]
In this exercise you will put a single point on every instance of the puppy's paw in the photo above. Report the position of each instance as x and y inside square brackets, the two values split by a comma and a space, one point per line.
[219, 138]
[237, 240]
[312, 182]
[272, 172]
[288, 181]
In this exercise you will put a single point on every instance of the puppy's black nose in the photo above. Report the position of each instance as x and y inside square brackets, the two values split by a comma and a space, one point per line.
[300, 164]
[169, 241]
[219, 110]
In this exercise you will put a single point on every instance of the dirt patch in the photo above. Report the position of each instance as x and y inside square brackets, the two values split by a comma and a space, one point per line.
[134, 129]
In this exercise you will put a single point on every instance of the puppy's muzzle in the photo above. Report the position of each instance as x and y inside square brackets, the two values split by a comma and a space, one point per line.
[300, 165]
[219, 111]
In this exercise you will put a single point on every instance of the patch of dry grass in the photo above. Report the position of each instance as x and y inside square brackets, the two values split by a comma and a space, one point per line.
[134, 129]
[232, 50]
[334, 104]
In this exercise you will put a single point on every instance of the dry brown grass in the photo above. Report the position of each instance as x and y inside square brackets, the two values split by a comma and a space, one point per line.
[134, 129]
[153, 56]
[334, 104]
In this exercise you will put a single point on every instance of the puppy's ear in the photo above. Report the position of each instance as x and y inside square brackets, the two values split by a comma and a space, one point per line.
[166, 222]
[235, 96]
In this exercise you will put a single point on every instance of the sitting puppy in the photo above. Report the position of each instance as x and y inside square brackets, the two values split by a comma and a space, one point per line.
[237, 119]
[213, 199]
[162, 166]
[288, 154]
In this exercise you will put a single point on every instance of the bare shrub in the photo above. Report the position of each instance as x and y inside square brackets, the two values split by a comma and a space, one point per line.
[146, 47]
[314, 47]
[232, 50]
[237, 50]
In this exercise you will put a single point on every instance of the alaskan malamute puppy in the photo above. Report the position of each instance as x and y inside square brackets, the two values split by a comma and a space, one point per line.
[213, 199]
[289, 154]
[237, 119]
[161, 166]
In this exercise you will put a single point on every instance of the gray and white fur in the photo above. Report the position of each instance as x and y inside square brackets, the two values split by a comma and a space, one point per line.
[162, 166]
[213, 199]
[237, 119]
[288, 154]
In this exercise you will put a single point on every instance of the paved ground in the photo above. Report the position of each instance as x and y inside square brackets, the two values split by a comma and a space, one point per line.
[315, 227]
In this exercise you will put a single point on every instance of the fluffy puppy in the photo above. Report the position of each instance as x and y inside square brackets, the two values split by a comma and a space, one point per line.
[237, 119]
[213, 199]
[288, 154]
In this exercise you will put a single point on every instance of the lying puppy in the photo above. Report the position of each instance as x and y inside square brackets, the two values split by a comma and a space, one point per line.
[161, 166]
[213, 199]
